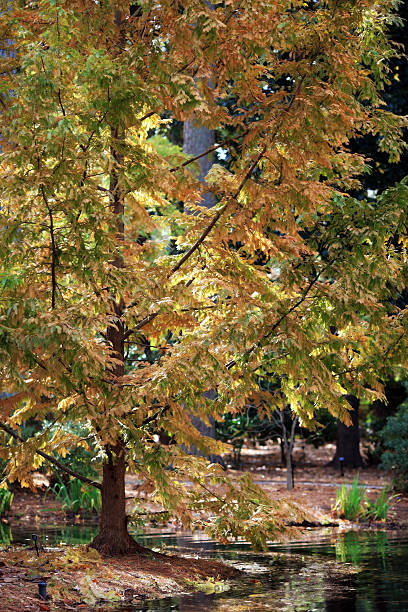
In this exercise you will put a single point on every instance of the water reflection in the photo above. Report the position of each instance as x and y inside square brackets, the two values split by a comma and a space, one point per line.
[331, 571]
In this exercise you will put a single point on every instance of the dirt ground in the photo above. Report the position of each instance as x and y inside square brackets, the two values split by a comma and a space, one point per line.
[78, 578]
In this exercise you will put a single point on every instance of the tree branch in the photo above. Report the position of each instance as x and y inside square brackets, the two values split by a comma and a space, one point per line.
[60, 103]
[233, 362]
[207, 152]
[152, 316]
[217, 216]
[53, 251]
[51, 459]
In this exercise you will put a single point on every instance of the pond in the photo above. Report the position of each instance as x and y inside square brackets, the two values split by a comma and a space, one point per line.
[330, 570]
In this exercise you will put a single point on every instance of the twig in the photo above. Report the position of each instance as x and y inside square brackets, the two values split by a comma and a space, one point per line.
[207, 152]
[53, 250]
[60, 103]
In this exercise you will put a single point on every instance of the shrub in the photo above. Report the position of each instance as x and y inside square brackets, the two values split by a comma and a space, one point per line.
[395, 440]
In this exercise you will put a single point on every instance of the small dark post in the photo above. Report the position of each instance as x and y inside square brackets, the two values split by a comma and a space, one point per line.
[35, 539]
[341, 463]
[42, 589]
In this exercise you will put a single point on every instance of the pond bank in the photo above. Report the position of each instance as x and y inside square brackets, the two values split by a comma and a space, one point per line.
[78, 576]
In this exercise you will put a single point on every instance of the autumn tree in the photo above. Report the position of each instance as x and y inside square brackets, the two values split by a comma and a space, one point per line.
[381, 176]
[96, 255]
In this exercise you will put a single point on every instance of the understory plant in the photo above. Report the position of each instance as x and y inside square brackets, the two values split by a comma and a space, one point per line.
[352, 503]
[395, 440]
[76, 496]
[350, 500]
[378, 510]
[6, 498]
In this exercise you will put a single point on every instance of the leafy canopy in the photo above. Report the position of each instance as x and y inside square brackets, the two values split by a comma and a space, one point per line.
[286, 273]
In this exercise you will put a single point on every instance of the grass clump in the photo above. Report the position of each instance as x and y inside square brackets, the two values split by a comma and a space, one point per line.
[76, 496]
[349, 500]
[6, 499]
[378, 510]
[352, 503]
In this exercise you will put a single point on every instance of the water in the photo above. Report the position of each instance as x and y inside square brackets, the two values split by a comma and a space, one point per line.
[332, 571]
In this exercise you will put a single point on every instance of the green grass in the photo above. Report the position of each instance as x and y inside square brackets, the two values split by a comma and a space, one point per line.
[350, 500]
[378, 510]
[352, 503]
[76, 496]
[6, 498]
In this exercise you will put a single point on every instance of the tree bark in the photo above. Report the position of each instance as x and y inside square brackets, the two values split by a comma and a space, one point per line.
[288, 445]
[348, 438]
[196, 140]
[113, 537]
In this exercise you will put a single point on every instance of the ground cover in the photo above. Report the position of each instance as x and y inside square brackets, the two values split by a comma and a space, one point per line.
[80, 577]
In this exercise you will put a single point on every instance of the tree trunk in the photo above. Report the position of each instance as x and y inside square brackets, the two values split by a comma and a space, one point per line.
[113, 537]
[348, 438]
[288, 446]
[289, 479]
[196, 140]
[282, 453]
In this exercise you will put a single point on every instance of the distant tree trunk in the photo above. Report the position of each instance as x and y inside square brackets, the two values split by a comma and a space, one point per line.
[348, 438]
[288, 445]
[282, 452]
[196, 141]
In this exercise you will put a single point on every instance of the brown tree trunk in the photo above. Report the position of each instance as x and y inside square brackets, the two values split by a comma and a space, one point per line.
[113, 537]
[348, 438]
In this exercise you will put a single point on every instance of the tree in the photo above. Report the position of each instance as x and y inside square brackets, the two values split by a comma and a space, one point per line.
[90, 217]
[198, 140]
[348, 439]
[382, 175]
